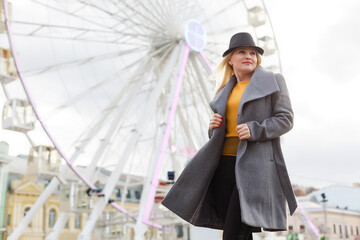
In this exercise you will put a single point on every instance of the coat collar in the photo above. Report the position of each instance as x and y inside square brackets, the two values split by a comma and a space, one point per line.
[262, 83]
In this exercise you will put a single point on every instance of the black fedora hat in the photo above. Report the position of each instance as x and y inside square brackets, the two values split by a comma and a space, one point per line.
[242, 39]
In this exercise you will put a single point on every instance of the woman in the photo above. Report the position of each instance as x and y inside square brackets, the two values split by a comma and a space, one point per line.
[238, 180]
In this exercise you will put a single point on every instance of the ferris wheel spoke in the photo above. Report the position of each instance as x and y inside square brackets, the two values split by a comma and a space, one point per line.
[185, 127]
[152, 14]
[156, 12]
[163, 11]
[142, 73]
[86, 136]
[200, 99]
[75, 33]
[114, 16]
[103, 146]
[122, 109]
[123, 91]
[116, 42]
[210, 43]
[82, 61]
[235, 28]
[190, 9]
[194, 101]
[145, 27]
[160, 23]
[200, 77]
[212, 53]
[222, 10]
[142, 70]
[207, 65]
[187, 120]
[67, 13]
[128, 21]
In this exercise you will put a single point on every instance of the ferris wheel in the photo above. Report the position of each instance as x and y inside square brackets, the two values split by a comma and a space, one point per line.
[117, 86]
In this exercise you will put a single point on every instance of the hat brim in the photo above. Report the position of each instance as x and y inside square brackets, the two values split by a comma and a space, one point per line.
[258, 49]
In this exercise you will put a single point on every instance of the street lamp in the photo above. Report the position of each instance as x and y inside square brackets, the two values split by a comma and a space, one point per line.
[325, 229]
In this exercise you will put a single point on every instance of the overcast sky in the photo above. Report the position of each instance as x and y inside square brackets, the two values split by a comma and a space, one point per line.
[319, 48]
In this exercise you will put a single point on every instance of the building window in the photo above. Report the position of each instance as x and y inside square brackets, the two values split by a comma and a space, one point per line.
[334, 228]
[346, 232]
[357, 230]
[118, 193]
[340, 230]
[351, 230]
[25, 212]
[8, 219]
[302, 228]
[290, 228]
[77, 220]
[179, 231]
[52, 218]
[128, 195]
[67, 224]
[137, 194]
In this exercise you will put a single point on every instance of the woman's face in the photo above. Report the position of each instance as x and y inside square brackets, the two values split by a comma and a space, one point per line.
[243, 60]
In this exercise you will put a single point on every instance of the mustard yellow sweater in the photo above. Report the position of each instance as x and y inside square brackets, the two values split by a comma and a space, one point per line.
[231, 137]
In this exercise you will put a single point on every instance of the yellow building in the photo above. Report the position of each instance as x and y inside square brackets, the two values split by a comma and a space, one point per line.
[21, 197]
[23, 192]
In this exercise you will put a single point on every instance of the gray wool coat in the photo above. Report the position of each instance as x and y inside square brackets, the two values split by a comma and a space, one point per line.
[260, 172]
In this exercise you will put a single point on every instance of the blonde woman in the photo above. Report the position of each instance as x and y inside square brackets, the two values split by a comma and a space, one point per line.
[238, 180]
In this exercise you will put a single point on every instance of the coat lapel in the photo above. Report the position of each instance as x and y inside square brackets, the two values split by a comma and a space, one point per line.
[262, 83]
[218, 105]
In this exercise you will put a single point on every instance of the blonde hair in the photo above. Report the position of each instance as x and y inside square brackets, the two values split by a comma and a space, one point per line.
[224, 71]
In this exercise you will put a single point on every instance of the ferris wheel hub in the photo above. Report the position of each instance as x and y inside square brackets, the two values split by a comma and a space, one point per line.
[195, 35]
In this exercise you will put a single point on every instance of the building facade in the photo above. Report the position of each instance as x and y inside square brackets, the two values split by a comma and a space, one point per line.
[333, 211]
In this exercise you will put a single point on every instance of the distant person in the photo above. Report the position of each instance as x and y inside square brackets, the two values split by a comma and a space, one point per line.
[238, 180]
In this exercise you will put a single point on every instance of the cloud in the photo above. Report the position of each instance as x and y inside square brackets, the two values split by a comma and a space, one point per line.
[339, 46]
[318, 42]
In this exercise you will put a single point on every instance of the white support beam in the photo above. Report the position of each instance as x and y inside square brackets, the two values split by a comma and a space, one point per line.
[135, 134]
[59, 225]
[149, 190]
[140, 228]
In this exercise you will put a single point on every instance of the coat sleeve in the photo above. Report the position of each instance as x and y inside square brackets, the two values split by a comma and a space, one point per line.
[282, 116]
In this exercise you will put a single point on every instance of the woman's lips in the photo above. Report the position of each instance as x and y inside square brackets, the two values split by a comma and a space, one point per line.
[247, 62]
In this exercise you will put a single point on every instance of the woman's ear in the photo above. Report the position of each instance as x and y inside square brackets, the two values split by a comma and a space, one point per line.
[229, 62]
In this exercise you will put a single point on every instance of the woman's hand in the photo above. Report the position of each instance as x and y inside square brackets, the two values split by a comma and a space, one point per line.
[215, 121]
[243, 131]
